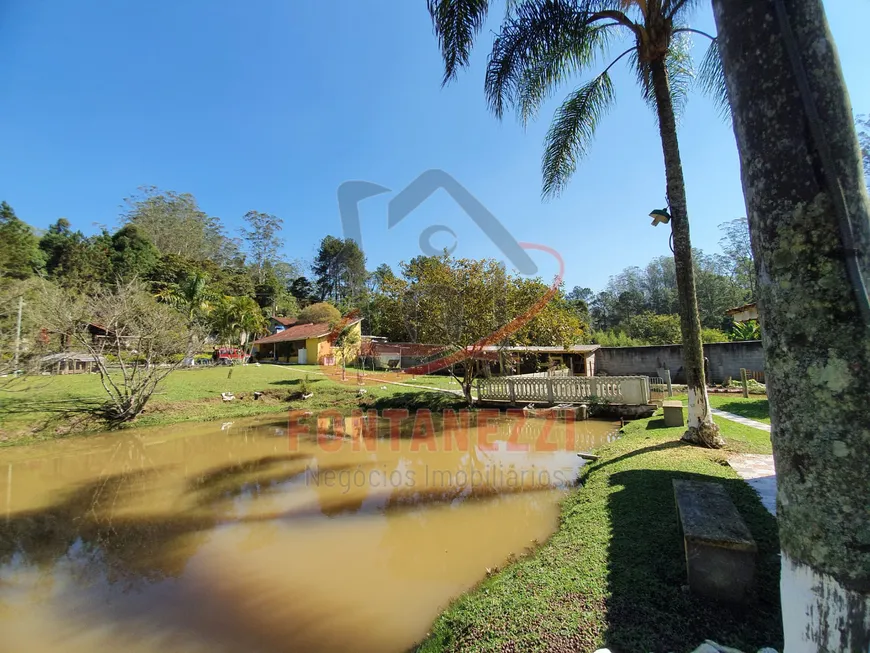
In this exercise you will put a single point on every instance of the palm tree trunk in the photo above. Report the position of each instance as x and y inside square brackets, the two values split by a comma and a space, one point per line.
[805, 193]
[701, 429]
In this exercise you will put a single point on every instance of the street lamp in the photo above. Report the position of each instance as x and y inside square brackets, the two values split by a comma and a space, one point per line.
[660, 215]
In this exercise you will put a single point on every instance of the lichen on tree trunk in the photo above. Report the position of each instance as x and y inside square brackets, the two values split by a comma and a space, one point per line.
[701, 428]
[816, 341]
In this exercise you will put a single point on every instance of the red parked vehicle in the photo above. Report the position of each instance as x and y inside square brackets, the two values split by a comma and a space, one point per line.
[228, 355]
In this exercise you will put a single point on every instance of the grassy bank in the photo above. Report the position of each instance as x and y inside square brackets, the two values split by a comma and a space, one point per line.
[42, 408]
[755, 407]
[613, 573]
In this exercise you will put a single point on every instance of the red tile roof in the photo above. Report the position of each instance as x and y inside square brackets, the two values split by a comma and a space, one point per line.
[286, 321]
[298, 332]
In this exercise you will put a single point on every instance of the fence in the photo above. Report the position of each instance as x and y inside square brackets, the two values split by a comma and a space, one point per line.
[632, 390]
[658, 388]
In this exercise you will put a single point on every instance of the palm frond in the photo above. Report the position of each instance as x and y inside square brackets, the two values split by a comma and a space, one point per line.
[678, 10]
[456, 23]
[572, 130]
[711, 80]
[541, 43]
[681, 73]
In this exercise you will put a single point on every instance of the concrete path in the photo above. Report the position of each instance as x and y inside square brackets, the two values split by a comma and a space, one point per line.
[759, 472]
[380, 380]
[741, 420]
[755, 469]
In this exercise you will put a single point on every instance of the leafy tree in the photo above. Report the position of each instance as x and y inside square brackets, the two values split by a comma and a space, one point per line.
[540, 45]
[749, 330]
[192, 297]
[303, 290]
[652, 329]
[273, 294]
[176, 225]
[716, 289]
[263, 240]
[557, 324]
[133, 255]
[340, 271]
[381, 311]
[615, 338]
[460, 302]
[287, 306]
[73, 260]
[320, 312]
[18, 349]
[348, 345]
[738, 250]
[20, 256]
[237, 320]
[578, 300]
[231, 279]
[714, 335]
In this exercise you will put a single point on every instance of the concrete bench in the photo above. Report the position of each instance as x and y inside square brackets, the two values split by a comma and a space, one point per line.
[673, 411]
[720, 551]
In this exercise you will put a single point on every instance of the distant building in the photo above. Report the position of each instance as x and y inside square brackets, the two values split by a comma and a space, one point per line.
[574, 360]
[278, 323]
[744, 313]
[69, 363]
[300, 344]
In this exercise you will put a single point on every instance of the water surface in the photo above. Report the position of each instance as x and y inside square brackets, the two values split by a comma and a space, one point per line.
[229, 537]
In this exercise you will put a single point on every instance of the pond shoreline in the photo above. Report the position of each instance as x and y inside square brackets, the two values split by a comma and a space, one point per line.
[613, 572]
[41, 409]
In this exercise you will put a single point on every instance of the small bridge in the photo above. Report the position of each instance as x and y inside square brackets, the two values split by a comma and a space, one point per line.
[628, 390]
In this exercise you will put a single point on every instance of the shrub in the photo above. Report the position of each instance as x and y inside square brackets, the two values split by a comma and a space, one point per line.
[321, 312]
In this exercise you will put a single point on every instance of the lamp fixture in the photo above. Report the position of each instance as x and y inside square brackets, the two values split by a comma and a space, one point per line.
[660, 215]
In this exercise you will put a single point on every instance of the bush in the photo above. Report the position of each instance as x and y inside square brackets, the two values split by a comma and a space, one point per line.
[614, 339]
[321, 312]
[755, 388]
[713, 335]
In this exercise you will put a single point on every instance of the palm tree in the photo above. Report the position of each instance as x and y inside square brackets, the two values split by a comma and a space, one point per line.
[192, 296]
[238, 320]
[541, 44]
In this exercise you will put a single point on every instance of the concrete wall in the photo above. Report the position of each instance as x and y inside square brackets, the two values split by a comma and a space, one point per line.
[724, 359]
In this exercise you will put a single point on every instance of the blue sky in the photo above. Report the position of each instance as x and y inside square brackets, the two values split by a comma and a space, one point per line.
[271, 105]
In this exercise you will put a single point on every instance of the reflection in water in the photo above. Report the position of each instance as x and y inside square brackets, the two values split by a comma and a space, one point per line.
[211, 538]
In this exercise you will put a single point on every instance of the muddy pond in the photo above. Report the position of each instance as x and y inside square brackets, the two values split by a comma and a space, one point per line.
[252, 536]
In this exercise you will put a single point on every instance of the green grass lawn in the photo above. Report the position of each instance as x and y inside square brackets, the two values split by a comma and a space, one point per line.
[47, 407]
[755, 407]
[444, 381]
[614, 573]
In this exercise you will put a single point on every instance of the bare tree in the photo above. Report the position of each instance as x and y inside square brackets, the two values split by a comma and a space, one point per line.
[135, 341]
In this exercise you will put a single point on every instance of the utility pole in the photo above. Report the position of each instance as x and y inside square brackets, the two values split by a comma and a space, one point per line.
[18, 331]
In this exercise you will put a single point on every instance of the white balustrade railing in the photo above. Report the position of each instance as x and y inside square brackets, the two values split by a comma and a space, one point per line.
[562, 390]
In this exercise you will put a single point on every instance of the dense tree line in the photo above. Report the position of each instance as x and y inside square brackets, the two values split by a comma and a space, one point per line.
[228, 286]
[640, 305]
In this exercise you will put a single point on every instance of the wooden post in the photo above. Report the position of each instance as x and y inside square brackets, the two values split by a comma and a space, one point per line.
[18, 333]
[745, 382]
